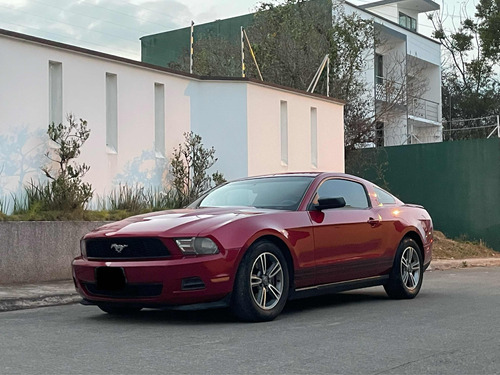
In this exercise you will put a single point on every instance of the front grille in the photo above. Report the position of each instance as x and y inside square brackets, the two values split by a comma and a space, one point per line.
[126, 248]
[128, 291]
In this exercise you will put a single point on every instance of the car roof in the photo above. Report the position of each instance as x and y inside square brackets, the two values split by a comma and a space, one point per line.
[304, 174]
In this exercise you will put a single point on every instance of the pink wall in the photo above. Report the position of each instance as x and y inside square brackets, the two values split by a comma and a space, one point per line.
[264, 140]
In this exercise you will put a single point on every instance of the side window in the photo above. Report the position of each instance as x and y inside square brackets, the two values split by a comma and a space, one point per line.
[384, 197]
[353, 192]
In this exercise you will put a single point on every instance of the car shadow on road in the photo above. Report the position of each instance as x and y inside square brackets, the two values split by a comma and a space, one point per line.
[333, 300]
[224, 315]
[207, 316]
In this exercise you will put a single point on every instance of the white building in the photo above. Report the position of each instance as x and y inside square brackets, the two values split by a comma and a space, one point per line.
[405, 72]
[137, 114]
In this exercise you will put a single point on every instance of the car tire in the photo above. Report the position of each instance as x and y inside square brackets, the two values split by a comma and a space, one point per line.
[119, 310]
[262, 283]
[405, 278]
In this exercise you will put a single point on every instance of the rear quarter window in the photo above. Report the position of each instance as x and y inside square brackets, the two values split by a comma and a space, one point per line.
[384, 197]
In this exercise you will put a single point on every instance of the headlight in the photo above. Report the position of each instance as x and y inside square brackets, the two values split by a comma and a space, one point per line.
[83, 248]
[197, 246]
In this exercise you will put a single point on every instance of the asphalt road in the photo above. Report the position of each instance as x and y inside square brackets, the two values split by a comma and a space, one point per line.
[450, 328]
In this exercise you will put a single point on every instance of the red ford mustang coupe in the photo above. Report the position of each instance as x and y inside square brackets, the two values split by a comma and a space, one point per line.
[254, 243]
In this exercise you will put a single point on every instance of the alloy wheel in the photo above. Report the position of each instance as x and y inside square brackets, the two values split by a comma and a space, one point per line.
[266, 281]
[410, 268]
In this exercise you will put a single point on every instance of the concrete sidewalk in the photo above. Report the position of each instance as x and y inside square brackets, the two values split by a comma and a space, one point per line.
[26, 296]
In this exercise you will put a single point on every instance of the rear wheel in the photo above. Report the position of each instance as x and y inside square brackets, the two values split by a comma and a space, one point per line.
[262, 283]
[405, 279]
[119, 310]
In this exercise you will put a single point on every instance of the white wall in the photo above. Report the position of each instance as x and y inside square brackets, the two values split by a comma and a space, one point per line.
[388, 11]
[222, 105]
[264, 138]
[230, 115]
[25, 87]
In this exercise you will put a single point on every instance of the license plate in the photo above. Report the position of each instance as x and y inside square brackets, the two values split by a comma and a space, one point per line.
[110, 278]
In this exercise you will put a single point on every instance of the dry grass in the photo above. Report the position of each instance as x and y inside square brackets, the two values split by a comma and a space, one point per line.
[445, 248]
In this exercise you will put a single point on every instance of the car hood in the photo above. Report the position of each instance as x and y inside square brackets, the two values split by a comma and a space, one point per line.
[184, 222]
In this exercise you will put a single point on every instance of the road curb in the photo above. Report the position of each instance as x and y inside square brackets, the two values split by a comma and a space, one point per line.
[446, 264]
[12, 304]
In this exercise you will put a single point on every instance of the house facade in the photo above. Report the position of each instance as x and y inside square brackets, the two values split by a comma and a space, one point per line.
[403, 72]
[137, 114]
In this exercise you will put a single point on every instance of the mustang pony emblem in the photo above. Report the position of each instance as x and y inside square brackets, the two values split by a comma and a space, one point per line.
[118, 248]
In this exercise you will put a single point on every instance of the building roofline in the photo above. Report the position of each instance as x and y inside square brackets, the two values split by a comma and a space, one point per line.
[391, 22]
[187, 28]
[140, 64]
[385, 2]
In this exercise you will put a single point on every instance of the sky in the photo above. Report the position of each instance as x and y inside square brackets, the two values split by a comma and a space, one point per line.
[115, 26]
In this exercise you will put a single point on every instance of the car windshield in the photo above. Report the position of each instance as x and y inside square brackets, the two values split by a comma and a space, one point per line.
[281, 193]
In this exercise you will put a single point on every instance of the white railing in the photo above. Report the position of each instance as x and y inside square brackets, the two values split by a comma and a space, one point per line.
[422, 108]
[390, 91]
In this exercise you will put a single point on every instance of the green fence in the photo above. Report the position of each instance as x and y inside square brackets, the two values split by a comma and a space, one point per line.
[457, 182]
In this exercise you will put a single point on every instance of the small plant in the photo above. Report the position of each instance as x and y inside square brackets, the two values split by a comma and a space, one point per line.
[128, 198]
[4, 208]
[159, 200]
[65, 195]
[189, 165]
[65, 190]
[137, 199]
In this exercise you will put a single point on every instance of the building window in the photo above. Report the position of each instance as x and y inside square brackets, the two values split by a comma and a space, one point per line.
[314, 137]
[379, 69]
[284, 132]
[55, 92]
[407, 22]
[159, 120]
[379, 134]
[111, 113]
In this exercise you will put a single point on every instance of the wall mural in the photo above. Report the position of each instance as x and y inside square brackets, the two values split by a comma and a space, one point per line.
[145, 170]
[21, 156]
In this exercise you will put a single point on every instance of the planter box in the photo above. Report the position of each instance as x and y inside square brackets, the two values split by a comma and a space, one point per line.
[36, 251]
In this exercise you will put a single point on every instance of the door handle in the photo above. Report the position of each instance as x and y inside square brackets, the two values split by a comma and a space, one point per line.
[374, 222]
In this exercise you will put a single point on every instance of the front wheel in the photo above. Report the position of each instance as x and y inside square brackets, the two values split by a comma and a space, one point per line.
[262, 283]
[405, 279]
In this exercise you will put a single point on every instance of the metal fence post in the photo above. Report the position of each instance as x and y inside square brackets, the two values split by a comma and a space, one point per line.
[498, 126]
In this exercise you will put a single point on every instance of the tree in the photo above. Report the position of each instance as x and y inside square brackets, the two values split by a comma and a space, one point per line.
[488, 14]
[65, 190]
[189, 167]
[470, 85]
[214, 56]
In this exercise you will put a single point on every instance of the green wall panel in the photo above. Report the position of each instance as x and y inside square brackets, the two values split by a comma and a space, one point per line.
[164, 48]
[457, 182]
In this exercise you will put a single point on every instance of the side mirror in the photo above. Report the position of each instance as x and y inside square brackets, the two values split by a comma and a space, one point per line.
[326, 203]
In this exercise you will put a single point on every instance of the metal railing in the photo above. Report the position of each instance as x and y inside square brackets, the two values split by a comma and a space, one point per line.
[473, 128]
[422, 108]
[389, 91]
[395, 92]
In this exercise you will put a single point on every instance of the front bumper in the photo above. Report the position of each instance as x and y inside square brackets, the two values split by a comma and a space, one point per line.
[159, 283]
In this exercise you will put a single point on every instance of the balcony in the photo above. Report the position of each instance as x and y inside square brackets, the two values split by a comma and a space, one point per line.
[425, 112]
[389, 91]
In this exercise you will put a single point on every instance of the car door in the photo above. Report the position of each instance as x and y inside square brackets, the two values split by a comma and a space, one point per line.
[348, 240]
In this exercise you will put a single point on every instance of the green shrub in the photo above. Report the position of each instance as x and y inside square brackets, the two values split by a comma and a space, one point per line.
[65, 195]
[189, 165]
